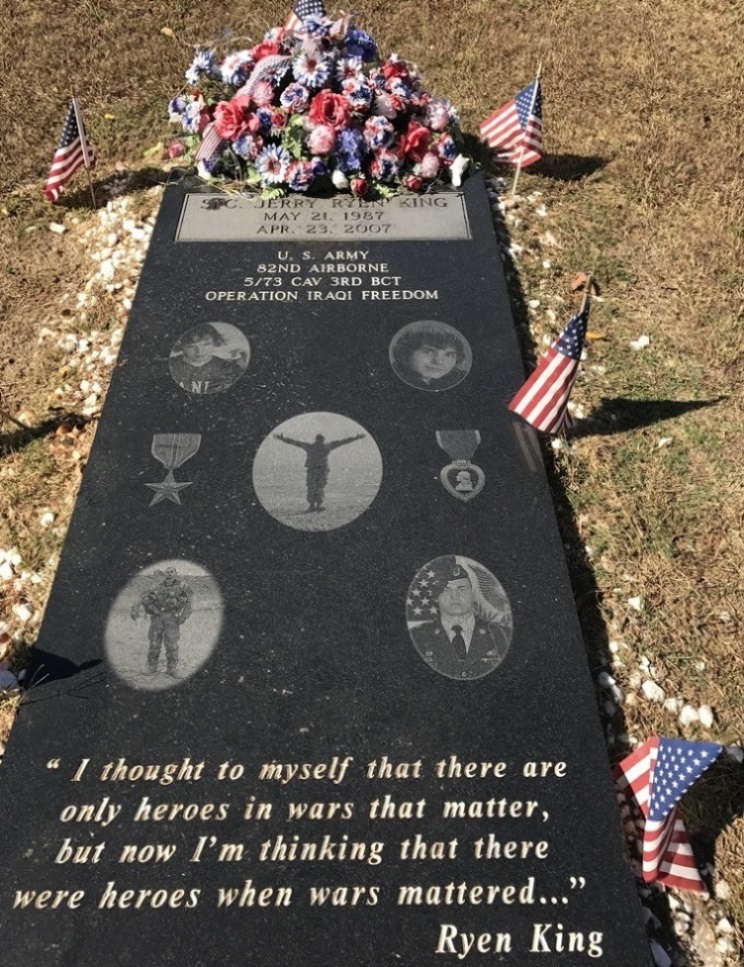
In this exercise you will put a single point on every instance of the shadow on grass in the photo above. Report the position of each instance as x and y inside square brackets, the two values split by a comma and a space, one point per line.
[620, 414]
[19, 438]
[568, 167]
[114, 186]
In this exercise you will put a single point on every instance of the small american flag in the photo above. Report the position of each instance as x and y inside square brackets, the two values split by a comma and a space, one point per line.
[543, 400]
[302, 9]
[72, 151]
[210, 144]
[657, 775]
[515, 130]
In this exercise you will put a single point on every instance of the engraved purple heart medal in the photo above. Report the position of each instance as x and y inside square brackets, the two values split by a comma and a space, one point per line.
[461, 478]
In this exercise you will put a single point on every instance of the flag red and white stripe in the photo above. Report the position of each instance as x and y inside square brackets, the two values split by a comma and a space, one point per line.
[210, 144]
[543, 400]
[514, 131]
[73, 151]
[657, 775]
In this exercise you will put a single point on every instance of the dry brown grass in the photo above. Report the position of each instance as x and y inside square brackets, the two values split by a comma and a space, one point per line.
[644, 186]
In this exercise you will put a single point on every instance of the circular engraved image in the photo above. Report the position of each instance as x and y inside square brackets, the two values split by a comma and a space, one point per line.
[459, 617]
[164, 625]
[317, 471]
[430, 356]
[209, 358]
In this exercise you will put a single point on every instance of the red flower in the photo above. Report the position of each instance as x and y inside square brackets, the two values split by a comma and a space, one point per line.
[264, 50]
[232, 118]
[412, 182]
[415, 141]
[395, 68]
[330, 109]
[359, 187]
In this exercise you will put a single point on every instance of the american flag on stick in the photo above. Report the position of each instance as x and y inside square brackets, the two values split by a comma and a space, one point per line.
[514, 131]
[302, 9]
[657, 775]
[543, 400]
[210, 144]
[72, 151]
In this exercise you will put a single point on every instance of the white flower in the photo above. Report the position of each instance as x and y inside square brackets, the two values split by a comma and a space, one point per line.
[339, 179]
[458, 168]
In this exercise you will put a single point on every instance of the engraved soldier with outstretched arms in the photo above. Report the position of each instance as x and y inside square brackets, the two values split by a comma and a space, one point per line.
[316, 464]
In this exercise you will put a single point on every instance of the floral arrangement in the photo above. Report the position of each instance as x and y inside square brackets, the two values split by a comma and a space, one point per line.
[315, 105]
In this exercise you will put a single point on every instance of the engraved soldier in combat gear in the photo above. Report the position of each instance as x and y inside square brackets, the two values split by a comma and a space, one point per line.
[316, 464]
[169, 605]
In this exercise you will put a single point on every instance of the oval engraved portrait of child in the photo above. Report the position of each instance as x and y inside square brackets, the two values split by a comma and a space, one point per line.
[430, 355]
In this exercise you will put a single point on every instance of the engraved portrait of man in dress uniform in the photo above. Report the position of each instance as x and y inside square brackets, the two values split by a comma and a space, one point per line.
[209, 358]
[459, 617]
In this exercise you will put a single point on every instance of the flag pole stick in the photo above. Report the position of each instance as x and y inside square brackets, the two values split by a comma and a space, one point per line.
[586, 302]
[84, 145]
[4, 415]
[532, 108]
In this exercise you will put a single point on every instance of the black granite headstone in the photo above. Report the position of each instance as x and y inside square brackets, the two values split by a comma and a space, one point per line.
[325, 698]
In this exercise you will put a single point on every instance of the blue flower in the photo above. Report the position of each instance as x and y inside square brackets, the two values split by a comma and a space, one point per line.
[246, 146]
[300, 175]
[273, 163]
[310, 70]
[349, 68]
[358, 95]
[266, 119]
[349, 151]
[295, 98]
[315, 27]
[378, 132]
[361, 44]
[320, 168]
[176, 107]
[385, 166]
[205, 62]
[191, 118]
[236, 68]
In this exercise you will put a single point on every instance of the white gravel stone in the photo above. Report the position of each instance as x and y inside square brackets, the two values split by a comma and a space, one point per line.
[722, 890]
[636, 603]
[47, 519]
[653, 692]
[57, 228]
[688, 715]
[725, 927]
[635, 680]
[22, 612]
[642, 342]
[705, 714]
[673, 705]
[665, 441]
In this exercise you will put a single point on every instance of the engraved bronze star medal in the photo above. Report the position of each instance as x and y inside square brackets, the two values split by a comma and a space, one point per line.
[172, 450]
[461, 478]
